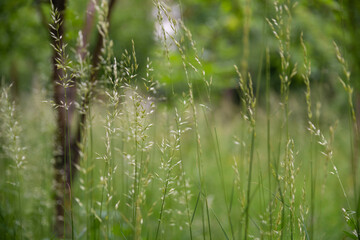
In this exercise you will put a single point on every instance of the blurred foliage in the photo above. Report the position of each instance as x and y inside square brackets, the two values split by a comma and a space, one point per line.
[24, 45]
[217, 27]
[25, 39]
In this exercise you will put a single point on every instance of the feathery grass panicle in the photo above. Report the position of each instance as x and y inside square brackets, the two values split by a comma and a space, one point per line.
[306, 76]
[281, 28]
[181, 122]
[346, 83]
[106, 50]
[13, 153]
[168, 148]
[62, 59]
[291, 170]
[303, 212]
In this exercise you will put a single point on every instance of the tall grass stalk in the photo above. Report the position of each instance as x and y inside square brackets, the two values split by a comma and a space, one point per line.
[354, 133]
[313, 166]
[168, 164]
[110, 130]
[250, 103]
[281, 28]
[268, 140]
[65, 81]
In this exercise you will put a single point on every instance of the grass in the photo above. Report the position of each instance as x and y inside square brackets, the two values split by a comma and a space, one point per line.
[169, 192]
[190, 170]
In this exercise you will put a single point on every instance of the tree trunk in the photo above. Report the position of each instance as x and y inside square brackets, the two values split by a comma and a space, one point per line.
[66, 153]
[61, 154]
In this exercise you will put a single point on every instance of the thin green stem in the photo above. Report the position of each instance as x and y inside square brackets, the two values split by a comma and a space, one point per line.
[268, 136]
[249, 183]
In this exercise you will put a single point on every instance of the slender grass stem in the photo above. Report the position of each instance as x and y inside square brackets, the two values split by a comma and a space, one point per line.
[268, 137]
[249, 183]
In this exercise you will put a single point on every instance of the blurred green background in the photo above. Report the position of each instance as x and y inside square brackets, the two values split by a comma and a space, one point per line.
[217, 28]
[225, 33]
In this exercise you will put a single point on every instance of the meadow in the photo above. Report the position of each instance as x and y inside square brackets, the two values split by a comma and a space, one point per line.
[186, 163]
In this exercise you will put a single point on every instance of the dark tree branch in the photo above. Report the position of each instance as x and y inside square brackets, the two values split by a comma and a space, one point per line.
[88, 25]
[87, 98]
